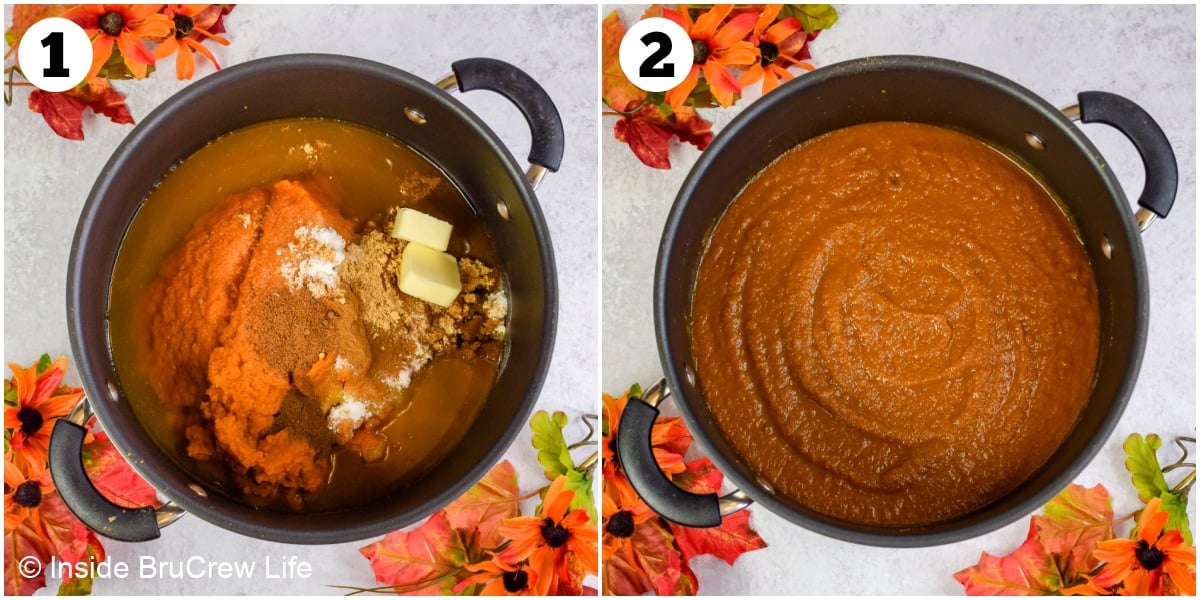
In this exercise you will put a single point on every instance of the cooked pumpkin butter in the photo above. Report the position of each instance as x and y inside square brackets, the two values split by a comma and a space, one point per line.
[894, 324]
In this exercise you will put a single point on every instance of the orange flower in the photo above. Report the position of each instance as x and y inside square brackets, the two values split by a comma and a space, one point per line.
[1141, 563]
[778, 46]
[41, 400]
[623, 512]
[714, 51]
[558, 544]
[129, 26]
[189, 25]
[501, 579]
[24, 488]
[669, 439]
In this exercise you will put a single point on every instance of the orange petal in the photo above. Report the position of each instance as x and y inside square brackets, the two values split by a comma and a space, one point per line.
[151, 28]
[768, 15]
[1151, 521]
[677, 18]
[721, 82]
[1183, 577]
[677, 95]
[771, 81]
[185, 67]
[741, 53]
[558, 499]
[783, 30]
[166, 48]
[137, 12]
[204, 51]
[751, 75]
[707, 23]
[1114, 573]
[734, 31]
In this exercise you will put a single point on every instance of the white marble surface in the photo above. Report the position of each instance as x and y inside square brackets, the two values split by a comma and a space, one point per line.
[1142, 52]
[47, 180]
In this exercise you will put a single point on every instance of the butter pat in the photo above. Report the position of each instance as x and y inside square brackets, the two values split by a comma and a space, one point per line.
[429, 274]
[416, 226]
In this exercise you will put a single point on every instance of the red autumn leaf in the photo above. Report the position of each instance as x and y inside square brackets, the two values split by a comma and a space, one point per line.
[701, 477]
[668, 572]
[23, 544]
[495, 498]
[104, 100]
[113, 476]
[24, 16]
[729, 541]
[1072, 523]
[647, 140]
[69, 537]
[623, 577]
[82, 586]
[1028, 571]
[425, 561]
[218, 22]
[648, 133]
[62, 113]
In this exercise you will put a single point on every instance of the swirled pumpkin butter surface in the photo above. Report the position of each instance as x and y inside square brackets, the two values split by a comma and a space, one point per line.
[894, 324]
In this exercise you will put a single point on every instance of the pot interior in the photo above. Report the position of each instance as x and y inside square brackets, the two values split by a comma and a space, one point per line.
[370, 94]
[958, 97]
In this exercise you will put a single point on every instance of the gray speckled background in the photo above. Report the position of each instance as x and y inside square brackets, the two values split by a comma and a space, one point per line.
[47, 180]
[1146, 53]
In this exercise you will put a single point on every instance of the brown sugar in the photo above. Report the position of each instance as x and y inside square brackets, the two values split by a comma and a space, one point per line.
[280, 335]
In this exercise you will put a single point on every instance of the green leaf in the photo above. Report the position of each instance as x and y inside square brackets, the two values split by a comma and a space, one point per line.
[1141, 461]
[582, 486]
[548, 440]
[813, 17]
[44, 363]
[10, 393]
[1177, 508]
[635, 390]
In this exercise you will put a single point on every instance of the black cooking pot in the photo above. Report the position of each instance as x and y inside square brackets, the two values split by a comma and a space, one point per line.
[422, 115]
[938, 92]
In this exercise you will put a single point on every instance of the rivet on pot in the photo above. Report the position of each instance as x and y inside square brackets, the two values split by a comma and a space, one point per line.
[1106, 246]
[1034, 141]
[502, 208]
[195, 487]
[414, 115]
[690, 374]
[766, 486]
[113, 394]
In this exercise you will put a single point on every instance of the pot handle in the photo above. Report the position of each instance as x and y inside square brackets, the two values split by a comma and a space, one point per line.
[1162, 172]
[78, 493]
[635, 453]
[547, 140]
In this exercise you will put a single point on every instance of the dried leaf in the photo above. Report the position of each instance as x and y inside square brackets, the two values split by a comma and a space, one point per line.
[700, 477]
[104, 100]
[667, 571]
[25, 15]
[496, 497]
[648, 141]
[425, 561]
[1141, 460]
[1028, 571]
[618, 92]
[112, 475]
[62, 113]
[82, 586]
[20, 544]
[1072, 523]
[623, 577]
[732, 539]
[548, 441]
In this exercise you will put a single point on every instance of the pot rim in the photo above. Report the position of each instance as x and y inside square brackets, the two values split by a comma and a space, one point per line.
[812, 520]
[215, 508]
